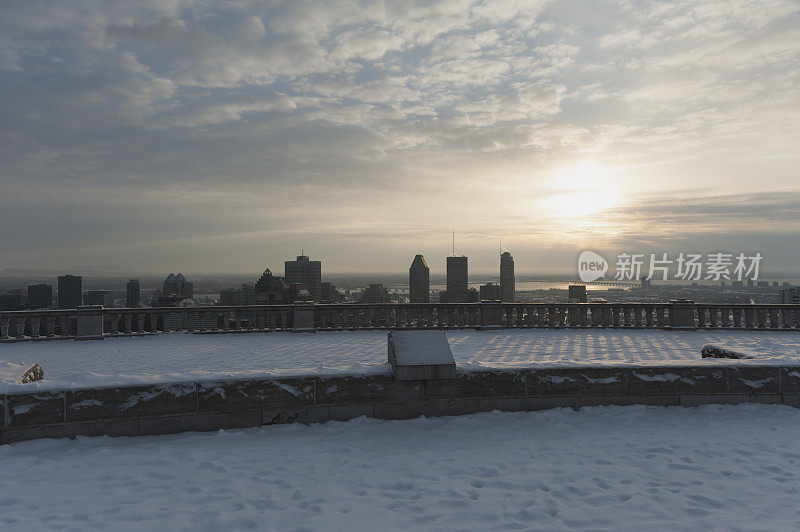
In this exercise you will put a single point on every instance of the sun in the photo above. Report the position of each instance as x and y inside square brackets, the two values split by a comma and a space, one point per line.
[582, 191]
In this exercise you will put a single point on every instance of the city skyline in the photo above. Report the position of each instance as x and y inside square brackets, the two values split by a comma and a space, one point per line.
[221, 138]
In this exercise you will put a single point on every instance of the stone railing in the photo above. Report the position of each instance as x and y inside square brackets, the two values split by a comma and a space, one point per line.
[97, 322]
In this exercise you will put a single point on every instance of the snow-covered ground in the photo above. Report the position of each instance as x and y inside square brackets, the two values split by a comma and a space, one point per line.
[602, 468]
[179, 356]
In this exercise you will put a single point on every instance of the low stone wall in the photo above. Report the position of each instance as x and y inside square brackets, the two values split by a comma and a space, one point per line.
[213, 405]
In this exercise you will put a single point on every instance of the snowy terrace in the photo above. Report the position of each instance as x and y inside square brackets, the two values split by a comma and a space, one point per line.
[184, 356]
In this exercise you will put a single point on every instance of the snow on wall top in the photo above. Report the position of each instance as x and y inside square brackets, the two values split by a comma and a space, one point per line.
[182, 357]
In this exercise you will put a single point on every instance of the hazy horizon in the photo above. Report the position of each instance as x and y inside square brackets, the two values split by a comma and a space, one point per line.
[182, 136]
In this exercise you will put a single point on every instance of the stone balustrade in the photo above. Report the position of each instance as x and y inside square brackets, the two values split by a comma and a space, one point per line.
[97, 322]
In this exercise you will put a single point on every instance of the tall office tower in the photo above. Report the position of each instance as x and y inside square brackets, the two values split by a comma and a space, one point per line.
[306, 272]
[507, 277]
[134, 294]
[457, 279]
[40, 295]
[70, 291]
[419, 281]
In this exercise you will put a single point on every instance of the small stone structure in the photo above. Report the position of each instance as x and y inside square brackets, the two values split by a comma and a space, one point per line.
[420, 355]
[33, 373]
[715, 351]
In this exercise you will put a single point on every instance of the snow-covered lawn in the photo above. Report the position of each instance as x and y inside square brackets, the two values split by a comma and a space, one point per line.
[171, 357]
[602, 468]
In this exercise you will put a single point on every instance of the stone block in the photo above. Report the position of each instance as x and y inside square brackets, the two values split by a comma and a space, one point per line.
[131, 401]
[33, 373]
[420, 355]
[546, 403]
[127, 427]
[790, 379]
[754, 379]
[628, 400]
[442, 407]
[89, 322]
[504, 404]
[791, 399]
[23, 434]
[676, 380]
[233, 396]
[478, 384]
[716, 398]
[323, 414]
[169, 424]
[273, 416]
[717, 351]
[366, 389]
[577, 381]
[34, 409]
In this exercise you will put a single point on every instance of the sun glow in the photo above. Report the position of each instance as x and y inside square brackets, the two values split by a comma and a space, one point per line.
[582, 192]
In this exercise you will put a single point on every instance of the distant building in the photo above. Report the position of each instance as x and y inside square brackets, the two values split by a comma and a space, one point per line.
[506, 277]
[99, 297]
[298, 292]
[790, 296]
[133, 291]
[375, 293]
[646, 283]
[762, 284]
[577, 293]
[457, 272]
[14, 300]
[749, 284]
[774, 284]
[306, 272]
[70, 291]
[234, 297]
[271, 289]
[491, 291]
[737, 284]
[473, 296]
[419, 281]
[174, 290]
[40, 296]
[328, 293]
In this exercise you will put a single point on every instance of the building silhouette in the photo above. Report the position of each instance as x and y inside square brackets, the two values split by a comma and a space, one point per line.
[491, 291]
[40, 296]
[457, 272]
[577, 293]
[328, 293]
[271, 289]
[174, 290]
[70, 291]
[507, 285]
[375, 293]
[306, 272]
[419, 282]
[133, 292]
[99, 297]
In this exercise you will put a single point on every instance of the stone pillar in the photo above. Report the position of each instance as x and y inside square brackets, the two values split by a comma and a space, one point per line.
[491, 314]
[681, 314]
[90, 322]
[304, 316]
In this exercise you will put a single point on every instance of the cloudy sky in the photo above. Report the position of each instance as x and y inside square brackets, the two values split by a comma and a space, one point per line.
[226, 136]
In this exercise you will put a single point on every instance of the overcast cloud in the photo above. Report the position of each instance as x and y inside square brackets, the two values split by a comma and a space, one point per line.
[226, 136]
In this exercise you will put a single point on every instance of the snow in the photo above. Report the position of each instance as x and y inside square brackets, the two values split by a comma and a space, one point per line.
[602, 468]
[414, 348]
[186, 357]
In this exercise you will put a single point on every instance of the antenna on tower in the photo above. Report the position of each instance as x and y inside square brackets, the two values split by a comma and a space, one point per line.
[454, 242]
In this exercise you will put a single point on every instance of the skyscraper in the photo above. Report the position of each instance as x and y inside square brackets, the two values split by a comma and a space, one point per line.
[306, 272]
[419, 283]
[40, 295]
[457, 279]
[70, 291]
[134, 294]
[506, 277]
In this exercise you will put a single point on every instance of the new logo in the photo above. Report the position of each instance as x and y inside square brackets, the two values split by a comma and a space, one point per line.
[591, 266]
